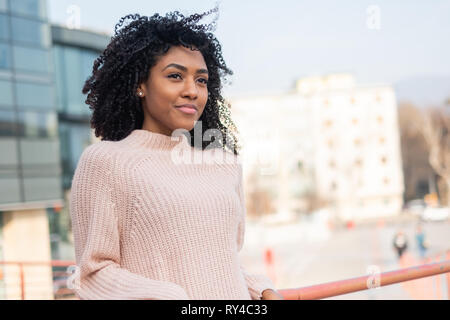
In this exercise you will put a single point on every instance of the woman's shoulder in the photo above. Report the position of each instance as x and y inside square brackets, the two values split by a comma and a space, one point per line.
[98, 151]
[109, 155]
[99, 155]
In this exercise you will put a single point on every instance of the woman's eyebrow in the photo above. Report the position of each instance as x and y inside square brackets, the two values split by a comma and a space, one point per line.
[183, 68]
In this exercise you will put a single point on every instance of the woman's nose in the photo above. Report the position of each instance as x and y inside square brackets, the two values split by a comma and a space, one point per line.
[190, 89]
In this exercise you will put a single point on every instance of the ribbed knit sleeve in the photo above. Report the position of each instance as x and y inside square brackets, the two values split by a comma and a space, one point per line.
[96, 236]
[256, 283]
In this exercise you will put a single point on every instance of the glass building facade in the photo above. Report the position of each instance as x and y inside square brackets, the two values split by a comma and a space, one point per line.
[44, 121]
[74, 52]
[30, 170]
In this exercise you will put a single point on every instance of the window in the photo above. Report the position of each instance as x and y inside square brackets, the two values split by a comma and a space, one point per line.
[380, 119]
[360, 182]
[358, 162]
[8, 146]
[32, 8]
[74, 138]
[333, 186]
[73, 80]
[328, 123]
[31, 59]
[9, 190]
[330, 143]
[39, 152]
[4, 27]
[59, 77]
[72, 67]
[7, 123]
[3, 7]
[30, 32]
[6, 97]
[38, 124]
[332, 164]
[42, 188]
[34, 95]
[5, 58]
[87, 60]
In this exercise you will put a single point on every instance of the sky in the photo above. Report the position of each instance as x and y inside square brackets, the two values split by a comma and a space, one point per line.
[270, 44]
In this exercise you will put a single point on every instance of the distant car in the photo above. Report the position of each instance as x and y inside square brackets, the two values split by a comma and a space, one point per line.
[435, 214]
[415, 207]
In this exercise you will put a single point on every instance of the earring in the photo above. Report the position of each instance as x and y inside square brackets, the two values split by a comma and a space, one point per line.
[140, 93]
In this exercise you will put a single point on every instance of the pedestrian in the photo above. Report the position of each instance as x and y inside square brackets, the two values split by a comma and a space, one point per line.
[400, 243]
[421, 241]
[147, 223]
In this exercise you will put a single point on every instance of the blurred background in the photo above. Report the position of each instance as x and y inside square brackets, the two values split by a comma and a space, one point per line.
[343, 110]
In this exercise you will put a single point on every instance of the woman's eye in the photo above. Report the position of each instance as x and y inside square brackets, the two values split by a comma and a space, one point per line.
[178, 76]
[174, 75]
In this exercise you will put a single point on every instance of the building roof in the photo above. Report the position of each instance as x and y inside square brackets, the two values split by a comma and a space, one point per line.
[79, 38]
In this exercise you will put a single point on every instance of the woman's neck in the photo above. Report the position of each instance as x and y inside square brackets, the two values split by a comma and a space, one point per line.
[154, 140]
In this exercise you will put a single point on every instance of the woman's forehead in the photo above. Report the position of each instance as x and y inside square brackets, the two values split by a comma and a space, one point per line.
[183, 56]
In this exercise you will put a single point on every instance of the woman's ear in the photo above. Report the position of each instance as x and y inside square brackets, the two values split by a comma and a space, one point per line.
[141, 91]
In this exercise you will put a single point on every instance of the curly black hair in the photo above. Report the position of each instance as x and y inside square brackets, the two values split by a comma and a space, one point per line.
[125, 64]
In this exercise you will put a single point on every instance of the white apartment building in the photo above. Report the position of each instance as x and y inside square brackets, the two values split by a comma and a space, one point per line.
[330, 138]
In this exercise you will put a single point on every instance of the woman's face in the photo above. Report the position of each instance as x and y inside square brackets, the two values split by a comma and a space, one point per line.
[179, 78]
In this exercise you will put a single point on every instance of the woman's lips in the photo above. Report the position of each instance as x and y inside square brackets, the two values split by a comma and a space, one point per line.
[187, 110]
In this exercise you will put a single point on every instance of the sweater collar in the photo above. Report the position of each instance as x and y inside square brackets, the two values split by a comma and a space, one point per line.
[153, 140]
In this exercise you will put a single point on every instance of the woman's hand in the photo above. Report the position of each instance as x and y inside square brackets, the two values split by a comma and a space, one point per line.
[270, 294]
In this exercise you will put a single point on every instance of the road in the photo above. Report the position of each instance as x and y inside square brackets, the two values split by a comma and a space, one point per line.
[308, 253]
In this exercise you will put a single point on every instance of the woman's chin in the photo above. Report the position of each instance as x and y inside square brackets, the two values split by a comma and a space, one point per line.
[184, 127]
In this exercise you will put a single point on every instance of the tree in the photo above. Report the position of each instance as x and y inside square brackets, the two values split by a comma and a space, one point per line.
[260, 200]
[436, 131]
[416, 168]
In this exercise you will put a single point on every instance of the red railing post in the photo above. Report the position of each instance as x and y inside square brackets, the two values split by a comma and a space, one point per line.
[438, 282]
[448, 278]
[268, 260]
[22, 281]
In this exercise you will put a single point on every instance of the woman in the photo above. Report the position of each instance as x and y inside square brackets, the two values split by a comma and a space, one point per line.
[148, 224]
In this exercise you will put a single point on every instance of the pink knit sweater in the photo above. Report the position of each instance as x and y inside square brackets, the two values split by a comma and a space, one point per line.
[148, 226]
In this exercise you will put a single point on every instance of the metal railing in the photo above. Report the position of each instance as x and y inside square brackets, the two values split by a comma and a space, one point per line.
[346, 286]
[320, 291]
[27, 280]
